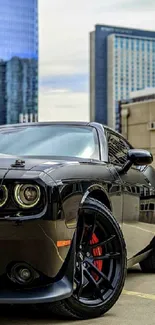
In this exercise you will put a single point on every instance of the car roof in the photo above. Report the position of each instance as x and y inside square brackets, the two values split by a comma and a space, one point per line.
[75, 123]
[80, 123]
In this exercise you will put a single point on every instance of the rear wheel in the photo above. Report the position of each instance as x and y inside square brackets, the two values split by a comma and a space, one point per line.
[148, 265]
[100, 264]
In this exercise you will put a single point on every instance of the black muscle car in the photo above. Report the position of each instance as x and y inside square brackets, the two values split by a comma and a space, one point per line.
[74, 198]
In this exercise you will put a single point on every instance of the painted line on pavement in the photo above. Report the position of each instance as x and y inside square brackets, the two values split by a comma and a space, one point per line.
[139, 294]
[140, 228]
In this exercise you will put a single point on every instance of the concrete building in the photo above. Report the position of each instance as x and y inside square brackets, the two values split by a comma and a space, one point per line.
[138, 120]
[18, 60]
[122, 60]
[21, 90]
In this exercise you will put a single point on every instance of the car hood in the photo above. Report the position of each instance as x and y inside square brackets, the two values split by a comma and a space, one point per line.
[38, 164]
[57, 169]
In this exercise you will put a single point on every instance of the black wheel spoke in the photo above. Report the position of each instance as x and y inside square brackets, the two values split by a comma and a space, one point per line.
[94, 283]
[90, 231]
[107, 283]
[81, 282]
[93, 227]
[76, 280]
[108, 256]
[103, 243]
[87, 229]
[82, 235]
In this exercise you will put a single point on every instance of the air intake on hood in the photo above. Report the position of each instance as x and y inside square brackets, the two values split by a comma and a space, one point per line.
[18, 163]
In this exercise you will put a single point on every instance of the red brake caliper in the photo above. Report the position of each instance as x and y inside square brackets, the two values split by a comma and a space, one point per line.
[96, 252]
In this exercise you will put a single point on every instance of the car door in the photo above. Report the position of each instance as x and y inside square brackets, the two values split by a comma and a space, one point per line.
[136, 190]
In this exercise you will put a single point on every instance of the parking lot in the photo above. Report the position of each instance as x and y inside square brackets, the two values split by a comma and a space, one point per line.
[136, 306]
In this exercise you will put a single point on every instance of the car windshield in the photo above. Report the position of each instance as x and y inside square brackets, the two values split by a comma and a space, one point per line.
[50, 140]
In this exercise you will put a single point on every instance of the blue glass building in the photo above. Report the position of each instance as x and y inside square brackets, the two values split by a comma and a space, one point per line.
[122, 60]
[18, 61]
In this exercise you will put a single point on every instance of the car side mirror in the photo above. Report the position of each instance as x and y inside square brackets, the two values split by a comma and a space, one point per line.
[137, 157]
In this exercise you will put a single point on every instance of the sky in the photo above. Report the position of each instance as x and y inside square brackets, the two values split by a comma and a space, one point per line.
[64, 27]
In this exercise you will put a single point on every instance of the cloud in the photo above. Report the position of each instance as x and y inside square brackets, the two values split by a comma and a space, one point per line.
[118, 6]
[138, 5]
[63, 105]
[74, 82]
[48, 92]
[64, 27]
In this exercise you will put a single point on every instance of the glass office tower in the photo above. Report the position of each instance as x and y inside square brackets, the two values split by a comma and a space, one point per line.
[18, 61]
[122, 60]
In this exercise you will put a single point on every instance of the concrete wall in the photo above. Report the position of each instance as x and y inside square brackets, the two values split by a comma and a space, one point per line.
[135, 126]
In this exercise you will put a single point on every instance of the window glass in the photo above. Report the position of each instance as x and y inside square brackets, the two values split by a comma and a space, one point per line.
[117, 149]
[50, 140]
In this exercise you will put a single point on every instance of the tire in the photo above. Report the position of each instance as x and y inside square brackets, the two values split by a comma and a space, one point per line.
[114, 266]
[148, 265]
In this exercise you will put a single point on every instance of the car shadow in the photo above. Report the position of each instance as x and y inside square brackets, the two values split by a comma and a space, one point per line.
[134, 271]
[24, 314]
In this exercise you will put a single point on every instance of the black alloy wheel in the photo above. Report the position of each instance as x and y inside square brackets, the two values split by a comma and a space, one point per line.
[100, 264]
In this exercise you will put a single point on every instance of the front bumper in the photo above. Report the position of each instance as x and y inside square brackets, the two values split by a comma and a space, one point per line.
[59, 290]
[33, 241]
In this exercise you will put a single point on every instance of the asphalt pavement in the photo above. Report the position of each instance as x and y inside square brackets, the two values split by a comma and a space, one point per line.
[136, 306]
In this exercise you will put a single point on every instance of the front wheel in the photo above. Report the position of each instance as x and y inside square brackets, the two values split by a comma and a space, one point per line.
[100, 264]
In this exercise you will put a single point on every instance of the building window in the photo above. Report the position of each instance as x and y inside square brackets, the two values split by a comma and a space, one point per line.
[137, 45]
[127, 44]
[122, 43]
[143, 46]
[132, 45]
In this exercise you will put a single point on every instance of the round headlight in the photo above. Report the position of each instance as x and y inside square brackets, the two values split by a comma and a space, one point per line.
[3, 195]
[27, 195]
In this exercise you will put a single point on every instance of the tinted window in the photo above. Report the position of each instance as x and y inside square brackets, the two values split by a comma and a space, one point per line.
[117, 149]
[50, 140]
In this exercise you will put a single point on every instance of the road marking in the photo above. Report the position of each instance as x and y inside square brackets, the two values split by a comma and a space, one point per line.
[140, 228]
[139, 294]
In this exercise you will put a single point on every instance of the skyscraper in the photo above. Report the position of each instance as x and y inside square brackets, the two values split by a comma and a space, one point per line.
[18, 61]
[121, 60]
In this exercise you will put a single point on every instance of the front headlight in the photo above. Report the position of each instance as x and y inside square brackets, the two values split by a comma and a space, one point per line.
[3, 195]
[27, 195]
